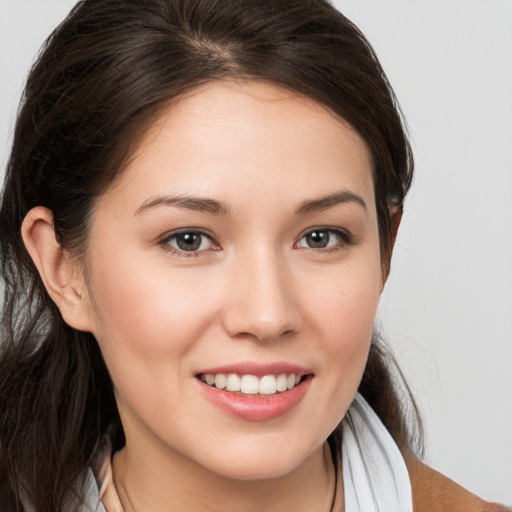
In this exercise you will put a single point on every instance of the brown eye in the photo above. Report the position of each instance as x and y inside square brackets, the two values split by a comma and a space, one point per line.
[189, 241]
[317, 239]
[323, 238]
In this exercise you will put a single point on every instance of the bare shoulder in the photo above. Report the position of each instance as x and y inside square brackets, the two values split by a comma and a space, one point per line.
[434, 492]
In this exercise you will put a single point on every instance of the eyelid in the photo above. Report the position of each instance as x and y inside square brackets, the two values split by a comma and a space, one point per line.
[167, 237]
[345, 238]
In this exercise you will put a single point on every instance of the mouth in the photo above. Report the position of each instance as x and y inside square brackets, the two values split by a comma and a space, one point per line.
[253, 391]
[253, 385]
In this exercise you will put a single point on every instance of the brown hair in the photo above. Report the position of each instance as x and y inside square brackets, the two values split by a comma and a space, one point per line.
[100, 79]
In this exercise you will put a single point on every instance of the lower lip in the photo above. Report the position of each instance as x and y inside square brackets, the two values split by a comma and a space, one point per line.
[256, 408]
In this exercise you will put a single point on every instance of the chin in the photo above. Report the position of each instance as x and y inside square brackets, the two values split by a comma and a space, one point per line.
[257, 470]
[259, 461]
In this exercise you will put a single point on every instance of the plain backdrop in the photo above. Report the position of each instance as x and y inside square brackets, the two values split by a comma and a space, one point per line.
[447, 308]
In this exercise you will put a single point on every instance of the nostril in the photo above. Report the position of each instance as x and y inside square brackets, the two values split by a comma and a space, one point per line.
[262, 304]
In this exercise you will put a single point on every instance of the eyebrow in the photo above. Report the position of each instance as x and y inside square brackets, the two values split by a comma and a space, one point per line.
[198, 204]
[323, 203]
[215, 207]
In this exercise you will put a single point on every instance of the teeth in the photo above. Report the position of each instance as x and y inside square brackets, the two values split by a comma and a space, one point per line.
[252, 385]
[220, 381]
[268, 385]
[282, 382]
[233, 382]
[249, 385]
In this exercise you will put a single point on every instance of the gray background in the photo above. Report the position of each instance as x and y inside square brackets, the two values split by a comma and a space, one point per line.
[447, 308]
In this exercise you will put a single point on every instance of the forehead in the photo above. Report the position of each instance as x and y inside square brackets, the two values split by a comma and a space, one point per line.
[227, 138]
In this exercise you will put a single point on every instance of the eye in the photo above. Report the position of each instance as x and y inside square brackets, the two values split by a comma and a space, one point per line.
[324, 238]
[188, 241]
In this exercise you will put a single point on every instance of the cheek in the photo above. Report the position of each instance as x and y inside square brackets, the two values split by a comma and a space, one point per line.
[344, 310]
[344, 301]
[350, 315]
[146, 327]
[146, 322]
[135, 294]
[348, 341]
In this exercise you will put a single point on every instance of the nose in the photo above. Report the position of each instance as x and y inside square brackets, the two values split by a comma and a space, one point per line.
[261, 302]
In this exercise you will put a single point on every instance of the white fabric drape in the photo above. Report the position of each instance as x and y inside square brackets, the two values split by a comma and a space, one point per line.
[375, 477]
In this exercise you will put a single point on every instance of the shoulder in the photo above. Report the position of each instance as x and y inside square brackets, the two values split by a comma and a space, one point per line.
[434, 492]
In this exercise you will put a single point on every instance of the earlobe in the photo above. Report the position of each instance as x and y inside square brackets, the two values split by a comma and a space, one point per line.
[56, 268]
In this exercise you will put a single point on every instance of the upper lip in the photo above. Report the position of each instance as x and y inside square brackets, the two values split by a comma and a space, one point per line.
[257, 369]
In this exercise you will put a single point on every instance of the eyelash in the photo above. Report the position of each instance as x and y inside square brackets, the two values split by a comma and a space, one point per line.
[165, 242]
[344, 239]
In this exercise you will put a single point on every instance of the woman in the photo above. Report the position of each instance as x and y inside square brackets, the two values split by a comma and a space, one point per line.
[197, 224]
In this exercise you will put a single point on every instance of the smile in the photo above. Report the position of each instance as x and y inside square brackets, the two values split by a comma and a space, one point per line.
[251, 384]
[252, 397]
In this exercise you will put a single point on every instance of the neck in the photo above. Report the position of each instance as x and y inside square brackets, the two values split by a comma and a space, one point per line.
[153, 480]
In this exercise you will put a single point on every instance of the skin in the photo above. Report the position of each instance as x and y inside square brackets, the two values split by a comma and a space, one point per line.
[255, 291]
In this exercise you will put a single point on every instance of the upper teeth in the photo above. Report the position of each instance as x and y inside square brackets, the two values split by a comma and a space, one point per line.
[250, 384]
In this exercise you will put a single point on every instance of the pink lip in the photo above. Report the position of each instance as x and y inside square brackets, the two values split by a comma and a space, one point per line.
[255, 408]
[258, 369]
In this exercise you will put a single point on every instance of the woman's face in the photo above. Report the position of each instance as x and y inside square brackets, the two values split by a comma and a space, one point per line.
[239, 244]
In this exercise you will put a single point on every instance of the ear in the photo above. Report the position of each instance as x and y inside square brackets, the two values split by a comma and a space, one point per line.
[395, 215]
[58, 271]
